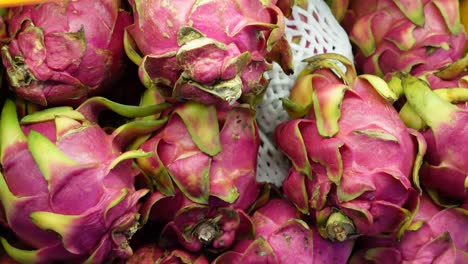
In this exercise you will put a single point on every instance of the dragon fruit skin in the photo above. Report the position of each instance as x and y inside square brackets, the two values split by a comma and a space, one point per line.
[150, 254]
[63, 52]
[453, 75]
[78, 179]
[437, 82]
[281, 236]
[207, 51]
[199, 175]
[437, 235]
[444, 172]
[352, 156]
[404, 35]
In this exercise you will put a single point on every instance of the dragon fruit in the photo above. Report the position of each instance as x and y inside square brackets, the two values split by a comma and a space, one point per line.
[437, 235]
[197, 166]
[195, 227]
[352, 156]
[66, 186]
[405, 35]
[62, 52]
[281, 236]
[444, 124]
[208, 51]
[150, 254]
[197, 153]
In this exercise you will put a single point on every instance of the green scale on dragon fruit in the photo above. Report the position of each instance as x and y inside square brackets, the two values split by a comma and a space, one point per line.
[352, 157]
[442, 117]
[413, 36]
[212, 51]
[338, 8]
[66, 186]
[204, 167]
[63, 52]
[454, 75]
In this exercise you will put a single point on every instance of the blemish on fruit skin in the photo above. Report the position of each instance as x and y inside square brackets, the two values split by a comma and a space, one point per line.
[446, 237]
[306, 242]
[38, 46]
[286, 237]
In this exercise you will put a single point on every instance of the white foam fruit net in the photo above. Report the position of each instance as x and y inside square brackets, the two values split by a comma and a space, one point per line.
[309, 32]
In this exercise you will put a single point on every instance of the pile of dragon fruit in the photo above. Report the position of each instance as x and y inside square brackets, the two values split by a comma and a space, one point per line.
[128, 134]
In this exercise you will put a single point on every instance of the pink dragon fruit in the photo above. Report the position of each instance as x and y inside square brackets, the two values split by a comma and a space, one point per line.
[444, 124]
[281, 236]
[194, 226]
[151, 254]
[405, 35]
[66, 186]
[201, 178]
[197, 153]
[436, 236]
[208, 51]
[62, 52]
[352, 156]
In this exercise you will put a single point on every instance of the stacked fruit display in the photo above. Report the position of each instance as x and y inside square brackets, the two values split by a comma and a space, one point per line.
[128, 134]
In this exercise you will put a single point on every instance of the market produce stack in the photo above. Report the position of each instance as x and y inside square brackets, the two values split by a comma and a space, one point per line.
[425, 39]
[128, 134]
